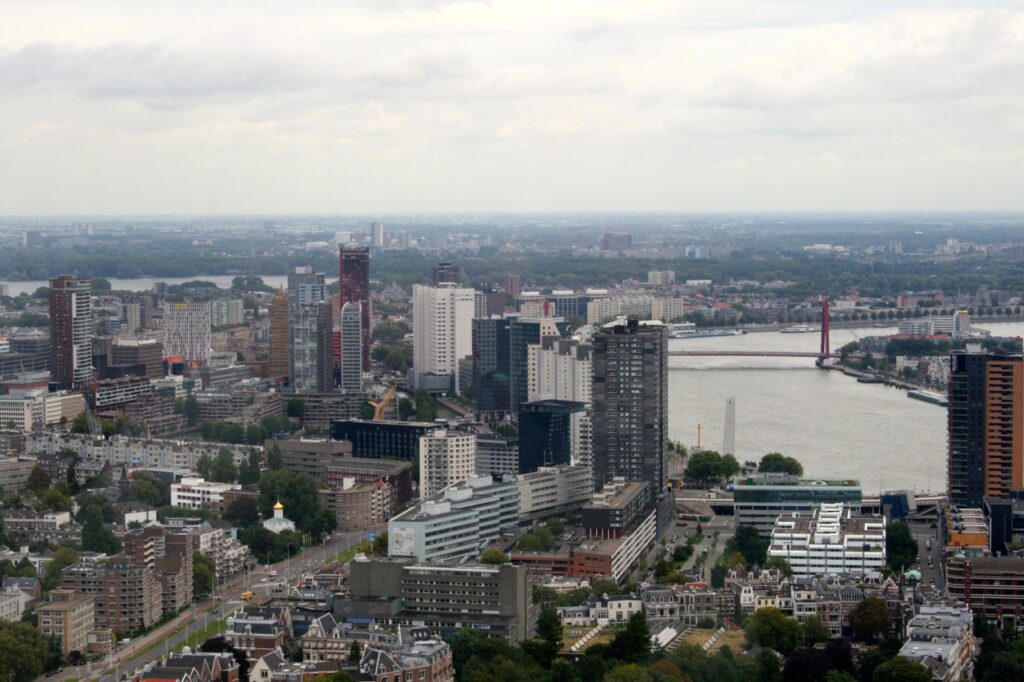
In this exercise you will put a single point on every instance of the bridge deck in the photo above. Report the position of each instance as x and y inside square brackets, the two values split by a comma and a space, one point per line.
[751, 353]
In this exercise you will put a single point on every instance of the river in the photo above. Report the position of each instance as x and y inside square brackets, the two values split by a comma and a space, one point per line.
[835, 426]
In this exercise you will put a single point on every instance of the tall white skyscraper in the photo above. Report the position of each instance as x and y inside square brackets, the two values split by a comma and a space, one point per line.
[562, 369]
[187, 330]
[351, 346]
[446, 458]
[442, 319]
[377, 233]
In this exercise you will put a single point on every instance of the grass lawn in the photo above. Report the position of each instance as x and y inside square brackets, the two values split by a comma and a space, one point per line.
[214, 627]
[345, 556]
[605, 636]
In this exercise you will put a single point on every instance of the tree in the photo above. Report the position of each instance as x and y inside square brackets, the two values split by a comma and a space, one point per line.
[718, 573]
[354, 654]
[730, 467]
[250, 469]
[296, 408]
[805, 664]
[748, 542]
[55, 500]
[549, 630]
[38, 480]
[768, 668]
[275, 461]
[96, 536]
[870, 619]
[770, 627]
[223, 468]
[494, 556]
[298, 493]
[204, 466]
[62, 558]
[775, 462]
[632, 644]
[900, 546]
[839, 676]
[243, 512]
[426, 408]
[146, 490]
[24, 652]
[815, 631]
[900, 669]
[203, 573]
[628, 672]
[705, 466]
[779, 563]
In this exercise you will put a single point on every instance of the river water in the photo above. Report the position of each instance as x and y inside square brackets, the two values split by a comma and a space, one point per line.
[835, 426]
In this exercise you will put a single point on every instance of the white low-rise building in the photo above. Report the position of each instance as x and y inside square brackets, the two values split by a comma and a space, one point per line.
[553, 490]
[194, 492]
[940, 638]
[832, 539]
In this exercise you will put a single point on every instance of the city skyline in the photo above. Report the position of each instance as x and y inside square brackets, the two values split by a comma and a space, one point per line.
[466, 106]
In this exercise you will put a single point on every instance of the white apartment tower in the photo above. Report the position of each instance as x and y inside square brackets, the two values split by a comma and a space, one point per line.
[561, 369]
[187, 330]
[446, 458]
[442, 319]
[351, 346]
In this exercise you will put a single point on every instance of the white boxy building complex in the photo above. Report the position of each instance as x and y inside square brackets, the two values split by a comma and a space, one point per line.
[832, 539]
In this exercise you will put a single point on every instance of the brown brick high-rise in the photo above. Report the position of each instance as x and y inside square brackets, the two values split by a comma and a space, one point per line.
[277, 360]
[70, 331]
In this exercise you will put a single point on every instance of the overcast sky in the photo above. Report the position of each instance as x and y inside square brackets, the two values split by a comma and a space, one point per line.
[260, 106]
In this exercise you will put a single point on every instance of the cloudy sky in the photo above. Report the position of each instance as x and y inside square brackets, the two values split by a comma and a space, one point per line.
[306, 106]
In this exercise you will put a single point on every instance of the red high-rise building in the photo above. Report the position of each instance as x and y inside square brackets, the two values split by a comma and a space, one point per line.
[354, 282]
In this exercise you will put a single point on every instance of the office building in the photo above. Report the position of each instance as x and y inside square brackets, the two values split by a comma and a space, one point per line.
[277, 358]
[446, 457]
[630, 397]
[830, 540]
[127, 595]
[397, 474]
[70, 331]
[226, 311]
[309, 456]
[545, 433]
[495, 601]
[488, 303]
[194, 492]
[442, 335]
[524, 332]
[67, 618]
[553, 490]
[992, 587]
[456, 523]
[377, 233]
[513, 285]
[312, 344]
[491, 365]
[359, 505]
[354, 287]
[187, 331]
[760, 499]
[447, 273]
[148, 354]
[562, 369]
[497, 455]
[616, 241]
[615, 509]
[351, 351]
[14, 472]
[377, 439]
[986, 426]
[661, 278]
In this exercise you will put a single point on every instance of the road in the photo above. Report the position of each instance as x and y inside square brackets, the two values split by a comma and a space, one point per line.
[125, 660]
[923, 532]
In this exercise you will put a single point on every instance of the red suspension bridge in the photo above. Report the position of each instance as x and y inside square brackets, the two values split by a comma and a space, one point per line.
[824, 352]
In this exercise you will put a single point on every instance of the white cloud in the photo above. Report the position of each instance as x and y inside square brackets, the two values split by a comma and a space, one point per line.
[320, 106]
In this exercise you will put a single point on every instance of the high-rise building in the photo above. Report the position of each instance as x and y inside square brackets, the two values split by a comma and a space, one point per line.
[187, 330]
[488, 303]
[377, 233]
[442, 319]
[354, 286]
[631, 403]
[312, 361]
[562, 369]
[986, 426]
[351, 359]
[311, 365]
[446, 458]
[145, 353]
[545, 433]
[277, 361]
[513, 285]
[616, 241]
[490, 365]
[70, 331]
[447, 272]
[524, 332]
[127, 595]
[226, 311]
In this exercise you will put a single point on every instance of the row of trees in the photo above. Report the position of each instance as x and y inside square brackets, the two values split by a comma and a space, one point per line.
[708, 467]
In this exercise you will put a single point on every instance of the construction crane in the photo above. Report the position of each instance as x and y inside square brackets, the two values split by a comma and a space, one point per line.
[381, 405]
